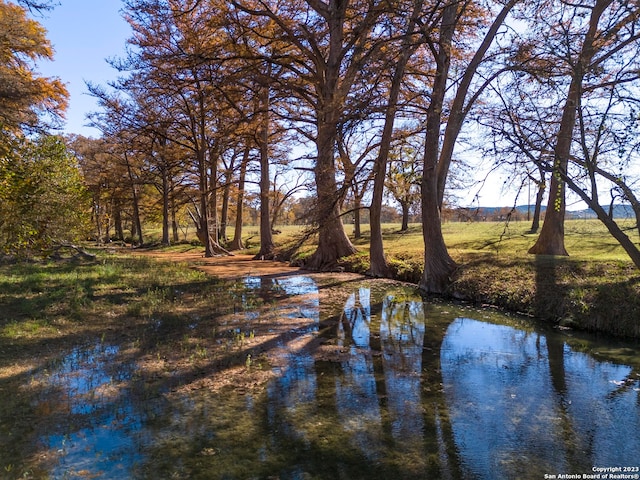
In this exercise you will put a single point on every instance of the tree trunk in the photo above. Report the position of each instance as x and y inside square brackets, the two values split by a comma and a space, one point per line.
[97, 217]
[136, 215]
[136, 203]
[236, 243]
[174, 221]
[203, 230]
[333, 242]
[537, 210]
[117, 222]
[405, 216]
[377, 259]
[357, 230]
[224, 214]
[165, 208]
[266, 237]
[133, 229]
[332, 87]
[214, 220]
[202, 225]
[551, 239]
[276, 206]
[206, 225]
[438, 265]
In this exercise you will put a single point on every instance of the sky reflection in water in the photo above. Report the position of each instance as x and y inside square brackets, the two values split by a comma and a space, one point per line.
[535, 401]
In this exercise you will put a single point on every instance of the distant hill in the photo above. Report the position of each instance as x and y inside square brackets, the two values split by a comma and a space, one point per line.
[620, 211]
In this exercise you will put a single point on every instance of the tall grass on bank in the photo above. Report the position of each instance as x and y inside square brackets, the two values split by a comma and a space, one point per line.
[48, 305]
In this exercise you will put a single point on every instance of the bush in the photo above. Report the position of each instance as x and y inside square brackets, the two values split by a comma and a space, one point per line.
[43, 201]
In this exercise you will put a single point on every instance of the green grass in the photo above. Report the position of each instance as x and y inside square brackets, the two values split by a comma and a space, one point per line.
[55, 303]
[584, 239]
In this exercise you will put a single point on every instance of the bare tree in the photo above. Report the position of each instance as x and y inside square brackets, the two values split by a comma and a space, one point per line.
[438, 153]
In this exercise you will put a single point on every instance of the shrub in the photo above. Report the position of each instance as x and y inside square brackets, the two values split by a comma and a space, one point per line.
[43, 201]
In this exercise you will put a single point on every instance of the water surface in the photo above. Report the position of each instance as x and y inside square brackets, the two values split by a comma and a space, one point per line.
[385, 386]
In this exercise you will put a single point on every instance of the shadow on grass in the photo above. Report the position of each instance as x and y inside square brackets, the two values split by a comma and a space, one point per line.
[551, 294]
[572, 295]
[587, 295]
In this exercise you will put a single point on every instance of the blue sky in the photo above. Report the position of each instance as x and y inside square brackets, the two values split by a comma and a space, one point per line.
[84, 33]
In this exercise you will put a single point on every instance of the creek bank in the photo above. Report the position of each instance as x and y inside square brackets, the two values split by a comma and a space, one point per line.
[593, 296]
[602, 297]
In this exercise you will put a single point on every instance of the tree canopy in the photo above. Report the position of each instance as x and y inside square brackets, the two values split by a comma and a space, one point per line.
[27, 100]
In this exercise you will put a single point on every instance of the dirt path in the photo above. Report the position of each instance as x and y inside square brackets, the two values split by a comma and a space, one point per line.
[234, 267]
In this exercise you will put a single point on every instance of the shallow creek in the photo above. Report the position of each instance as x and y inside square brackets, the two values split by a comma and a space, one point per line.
[385, 385]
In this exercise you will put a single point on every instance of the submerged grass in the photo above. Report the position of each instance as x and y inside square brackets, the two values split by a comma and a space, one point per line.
[173, 326]
[48, 305]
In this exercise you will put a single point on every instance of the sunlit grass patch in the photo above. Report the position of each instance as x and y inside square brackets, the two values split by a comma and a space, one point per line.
[58, 299]
[31, 328]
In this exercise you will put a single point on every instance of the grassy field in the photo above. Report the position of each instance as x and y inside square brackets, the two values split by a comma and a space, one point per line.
[585, 239]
